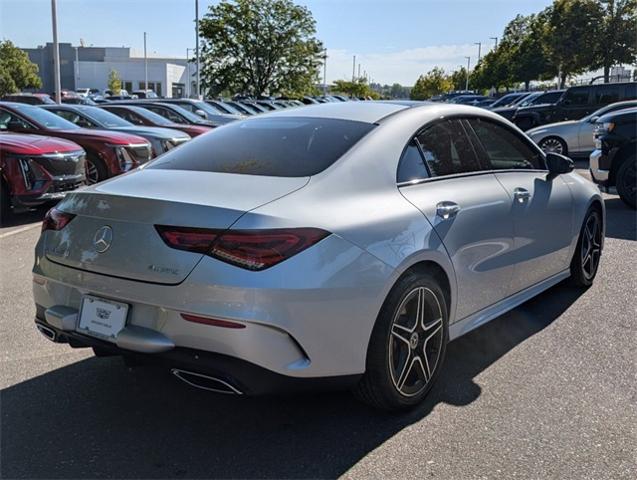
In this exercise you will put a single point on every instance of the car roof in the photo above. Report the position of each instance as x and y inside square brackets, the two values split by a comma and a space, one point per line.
[617, 113]
[368, 112]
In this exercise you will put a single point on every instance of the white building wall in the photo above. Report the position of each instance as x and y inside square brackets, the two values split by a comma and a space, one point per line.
[164, 71]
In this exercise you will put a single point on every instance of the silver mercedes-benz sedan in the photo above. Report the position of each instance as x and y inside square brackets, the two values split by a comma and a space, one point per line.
[338, 245]
[573, 137]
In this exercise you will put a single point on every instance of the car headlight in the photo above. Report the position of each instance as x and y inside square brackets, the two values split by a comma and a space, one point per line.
[123, 157]
[608, 126]
[166, 145]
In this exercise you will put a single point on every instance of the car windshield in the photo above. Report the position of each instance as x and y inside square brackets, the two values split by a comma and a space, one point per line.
[280, 147]
[609, 108]
[191, 117]
[151, 116]
[104, 118]
[528, 100]
[548, 97]
[45, 118]
[506, 100]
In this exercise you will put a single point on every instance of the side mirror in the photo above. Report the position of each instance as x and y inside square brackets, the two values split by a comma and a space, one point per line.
[201, 113]
[558, 163]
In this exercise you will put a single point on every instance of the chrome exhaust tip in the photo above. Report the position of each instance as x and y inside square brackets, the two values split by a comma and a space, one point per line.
[49, 333]
[205, 382]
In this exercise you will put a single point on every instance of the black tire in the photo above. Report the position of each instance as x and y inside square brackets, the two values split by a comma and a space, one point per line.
[583, 273]
[96, 170]
[5, 203]
[626, 181]
[558, 145]
[379, 386]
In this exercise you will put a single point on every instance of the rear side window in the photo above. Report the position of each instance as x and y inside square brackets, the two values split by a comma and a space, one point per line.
[503, 149]
[577, 96]
[280, 147]
[606, 94]
[411, 166]
[447, 149]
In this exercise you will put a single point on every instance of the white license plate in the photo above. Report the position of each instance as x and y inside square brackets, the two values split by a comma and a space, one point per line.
[102, 318]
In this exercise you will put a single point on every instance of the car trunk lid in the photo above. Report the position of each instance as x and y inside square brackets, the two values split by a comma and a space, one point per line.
[113, 232]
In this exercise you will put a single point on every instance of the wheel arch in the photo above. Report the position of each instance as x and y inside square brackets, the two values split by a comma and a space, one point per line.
[622, 155]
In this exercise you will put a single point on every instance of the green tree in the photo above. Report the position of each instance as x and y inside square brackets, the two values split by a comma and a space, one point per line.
[114, 82]
[432, 83]
[357, 88]
[459, 79]
[617, 41]
[523, 52]
[491, 72]
[570, 34]
[259, 46]
[17, 72]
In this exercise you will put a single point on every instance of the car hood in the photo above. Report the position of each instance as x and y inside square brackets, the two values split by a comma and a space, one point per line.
[35, 144]
[155, 132]
[106, 136]
[554, 127]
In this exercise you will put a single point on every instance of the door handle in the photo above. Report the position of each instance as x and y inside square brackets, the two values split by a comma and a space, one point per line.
[446, 210]
[521, 194]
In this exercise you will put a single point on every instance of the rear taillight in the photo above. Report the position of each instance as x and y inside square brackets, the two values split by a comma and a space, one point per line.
[249, 249]
[56, 219]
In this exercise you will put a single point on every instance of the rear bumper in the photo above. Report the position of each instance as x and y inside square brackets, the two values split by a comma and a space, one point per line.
[240, 376]
[294, 324]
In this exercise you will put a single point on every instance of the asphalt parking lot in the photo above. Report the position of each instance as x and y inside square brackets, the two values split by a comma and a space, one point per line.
[546, 391]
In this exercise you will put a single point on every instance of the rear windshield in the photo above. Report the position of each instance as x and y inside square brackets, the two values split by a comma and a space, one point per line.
[273, 146]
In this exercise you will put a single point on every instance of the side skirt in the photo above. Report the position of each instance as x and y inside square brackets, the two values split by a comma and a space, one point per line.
[459, 328]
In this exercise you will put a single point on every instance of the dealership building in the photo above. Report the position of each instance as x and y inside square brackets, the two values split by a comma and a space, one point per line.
[89, 67]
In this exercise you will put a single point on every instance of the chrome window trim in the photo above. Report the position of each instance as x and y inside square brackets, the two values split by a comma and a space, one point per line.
[469, 174]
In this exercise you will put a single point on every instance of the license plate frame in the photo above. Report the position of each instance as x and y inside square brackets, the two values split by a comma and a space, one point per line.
[102, 318]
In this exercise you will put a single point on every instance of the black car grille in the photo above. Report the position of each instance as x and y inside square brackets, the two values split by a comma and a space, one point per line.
[71, 163]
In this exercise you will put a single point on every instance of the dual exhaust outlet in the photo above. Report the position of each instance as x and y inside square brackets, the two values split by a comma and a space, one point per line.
[194, 379]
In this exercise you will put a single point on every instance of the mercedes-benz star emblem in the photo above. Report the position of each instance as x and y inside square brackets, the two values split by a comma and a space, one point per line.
[103, 239]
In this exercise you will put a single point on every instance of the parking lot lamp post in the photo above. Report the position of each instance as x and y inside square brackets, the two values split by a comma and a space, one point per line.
[145, 65]
[325, 72]
[56, 54]
[354, 68]
[479, 44]
[466, 85]
[496, 41]
[188, 80]
[197, 47]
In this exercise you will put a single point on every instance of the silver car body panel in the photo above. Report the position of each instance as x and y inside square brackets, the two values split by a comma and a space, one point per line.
[312, 315]
[577, 134]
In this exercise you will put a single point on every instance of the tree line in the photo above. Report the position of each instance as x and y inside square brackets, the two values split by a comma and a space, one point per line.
[567, 38]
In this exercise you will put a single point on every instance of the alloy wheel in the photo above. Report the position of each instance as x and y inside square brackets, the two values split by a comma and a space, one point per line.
[415, 342]
[92, 174]
[591, 246]
[552, 145]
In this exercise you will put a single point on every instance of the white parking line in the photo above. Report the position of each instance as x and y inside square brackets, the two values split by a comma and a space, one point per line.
[20, 230]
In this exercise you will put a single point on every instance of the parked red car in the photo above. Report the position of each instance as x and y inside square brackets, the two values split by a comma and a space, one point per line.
[142, 116]
[108, 153]
[36, 170]
[29, 98]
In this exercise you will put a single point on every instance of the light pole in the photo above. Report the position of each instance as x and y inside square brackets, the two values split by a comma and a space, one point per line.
[188, 79]
[325, 72]
[56, 54]
[479, 44]
[145, 65]
[197, 48]
[77, 68]
[354, 68]
[466, 85]
[496, 41]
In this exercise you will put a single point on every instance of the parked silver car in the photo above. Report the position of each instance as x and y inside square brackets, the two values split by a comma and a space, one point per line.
[342, 244]
[573, 137]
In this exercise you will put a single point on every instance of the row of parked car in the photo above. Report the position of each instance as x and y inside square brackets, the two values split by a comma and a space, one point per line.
[48, 149]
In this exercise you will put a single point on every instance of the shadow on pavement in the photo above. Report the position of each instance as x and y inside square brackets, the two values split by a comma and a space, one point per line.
[22, 218]
[96, 419]
[621, 221]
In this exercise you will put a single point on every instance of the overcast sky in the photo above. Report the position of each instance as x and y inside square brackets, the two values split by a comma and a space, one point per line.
[394, 40]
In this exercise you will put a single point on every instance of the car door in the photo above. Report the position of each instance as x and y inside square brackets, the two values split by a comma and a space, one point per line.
[467, 207]
[540, 204]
